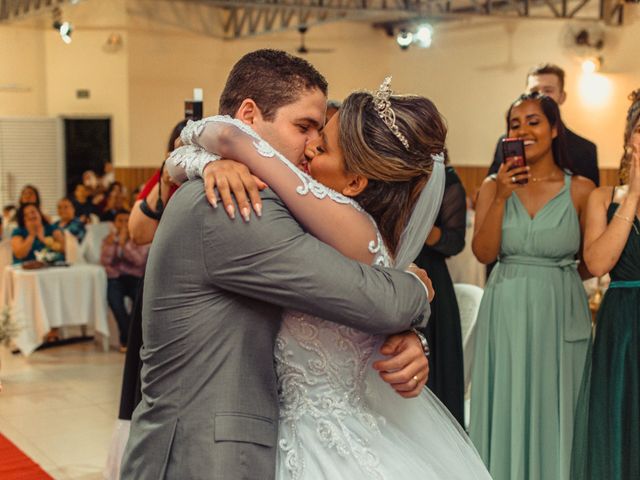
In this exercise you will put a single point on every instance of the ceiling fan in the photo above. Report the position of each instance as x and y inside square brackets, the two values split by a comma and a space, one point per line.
[303, 49]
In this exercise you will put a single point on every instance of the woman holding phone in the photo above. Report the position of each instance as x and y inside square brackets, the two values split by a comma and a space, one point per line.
[534, 324]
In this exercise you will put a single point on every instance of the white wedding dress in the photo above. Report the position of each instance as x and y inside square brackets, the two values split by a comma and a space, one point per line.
[338, 419]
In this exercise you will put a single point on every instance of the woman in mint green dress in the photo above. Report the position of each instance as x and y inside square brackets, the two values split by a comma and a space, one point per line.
[609, 447]
[534, 324]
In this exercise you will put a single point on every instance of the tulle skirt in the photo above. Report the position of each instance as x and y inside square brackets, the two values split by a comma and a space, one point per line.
[391, 438]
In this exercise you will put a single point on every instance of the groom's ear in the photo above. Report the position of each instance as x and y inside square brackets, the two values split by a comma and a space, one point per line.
[248, 112]
[357, 184]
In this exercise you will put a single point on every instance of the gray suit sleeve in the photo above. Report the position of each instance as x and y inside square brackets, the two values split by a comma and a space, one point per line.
[273, 260]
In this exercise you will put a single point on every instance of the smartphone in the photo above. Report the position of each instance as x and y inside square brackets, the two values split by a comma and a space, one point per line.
[513, 149]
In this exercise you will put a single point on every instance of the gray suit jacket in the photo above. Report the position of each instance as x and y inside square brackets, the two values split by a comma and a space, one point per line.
[213, 298]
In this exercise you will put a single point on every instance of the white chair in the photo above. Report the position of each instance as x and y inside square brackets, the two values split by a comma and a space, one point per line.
[72, 249]
[6, 254]
[92, 243]
[469, 298]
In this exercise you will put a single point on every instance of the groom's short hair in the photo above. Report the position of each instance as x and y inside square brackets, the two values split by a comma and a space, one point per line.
[272, 79]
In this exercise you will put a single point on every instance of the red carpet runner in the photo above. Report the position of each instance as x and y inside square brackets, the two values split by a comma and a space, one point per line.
[15, 465]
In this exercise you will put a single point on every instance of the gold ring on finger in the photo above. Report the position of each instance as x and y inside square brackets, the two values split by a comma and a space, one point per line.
[513, 179]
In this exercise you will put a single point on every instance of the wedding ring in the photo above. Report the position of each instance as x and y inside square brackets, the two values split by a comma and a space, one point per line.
[415, 377]
[513, 179]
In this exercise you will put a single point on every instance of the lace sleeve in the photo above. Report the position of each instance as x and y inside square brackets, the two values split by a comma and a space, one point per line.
[452, 221]
[331, 217]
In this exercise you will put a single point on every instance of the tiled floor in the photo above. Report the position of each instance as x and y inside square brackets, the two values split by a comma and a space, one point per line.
[59, 407]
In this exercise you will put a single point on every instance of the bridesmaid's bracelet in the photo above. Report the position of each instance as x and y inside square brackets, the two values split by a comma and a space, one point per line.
[626, 219]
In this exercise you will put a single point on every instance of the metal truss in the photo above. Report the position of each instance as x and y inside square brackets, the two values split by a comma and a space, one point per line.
[231, 19]
[242, 18]
[12, 10]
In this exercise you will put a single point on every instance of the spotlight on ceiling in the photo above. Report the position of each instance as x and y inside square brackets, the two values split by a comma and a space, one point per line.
[592, 64]
[64, 28]
[424, 35]
[404, 39]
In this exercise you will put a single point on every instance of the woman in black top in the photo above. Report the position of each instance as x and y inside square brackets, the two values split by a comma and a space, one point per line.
[446, 366]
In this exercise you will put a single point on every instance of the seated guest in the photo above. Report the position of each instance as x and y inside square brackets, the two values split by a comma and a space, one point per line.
[34, 234]
[124, 262]
[8, 221]
[29, 194]
[68, 220]
[114, 201]
[90, 181]
[83, 203]
[109, 175]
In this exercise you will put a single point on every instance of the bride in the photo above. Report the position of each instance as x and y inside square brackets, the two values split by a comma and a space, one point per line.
[362, 191]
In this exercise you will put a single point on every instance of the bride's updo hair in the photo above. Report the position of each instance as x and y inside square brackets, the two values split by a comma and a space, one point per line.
[396, 174]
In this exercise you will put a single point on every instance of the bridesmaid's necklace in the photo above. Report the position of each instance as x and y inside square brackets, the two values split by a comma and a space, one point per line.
[545, 178]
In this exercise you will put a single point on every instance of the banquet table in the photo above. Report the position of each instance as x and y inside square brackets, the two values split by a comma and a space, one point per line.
[55, 297]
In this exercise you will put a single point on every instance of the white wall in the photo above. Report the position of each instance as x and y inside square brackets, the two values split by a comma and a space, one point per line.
[22, 64]
[32, 54]
[473, 71]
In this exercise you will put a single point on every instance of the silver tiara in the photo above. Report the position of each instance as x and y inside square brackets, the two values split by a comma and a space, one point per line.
[382, 102]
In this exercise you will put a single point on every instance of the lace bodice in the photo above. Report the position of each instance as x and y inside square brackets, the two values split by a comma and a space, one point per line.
[321, 368]
[311, 202]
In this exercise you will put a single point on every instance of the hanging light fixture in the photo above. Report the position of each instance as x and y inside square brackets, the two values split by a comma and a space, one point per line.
[64, 28]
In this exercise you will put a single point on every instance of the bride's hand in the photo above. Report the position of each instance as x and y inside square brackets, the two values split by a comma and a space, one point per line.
[233, 179]
[424, 278]
[407, 370]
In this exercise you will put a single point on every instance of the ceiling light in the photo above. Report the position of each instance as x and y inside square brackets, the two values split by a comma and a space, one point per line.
[591, 65]
[64, 28]
[424, 35]
[404, 39]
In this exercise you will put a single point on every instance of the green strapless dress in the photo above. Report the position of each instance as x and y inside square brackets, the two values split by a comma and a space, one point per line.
[608, 446]
[533, 336]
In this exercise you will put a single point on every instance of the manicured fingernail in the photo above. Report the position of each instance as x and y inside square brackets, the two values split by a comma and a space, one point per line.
[231, 211]
[214, 202]
[246, 214]
[258, 208]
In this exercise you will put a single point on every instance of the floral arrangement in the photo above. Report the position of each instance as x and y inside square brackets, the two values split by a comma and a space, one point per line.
[9, 326]
[50, 253]
[46, 256]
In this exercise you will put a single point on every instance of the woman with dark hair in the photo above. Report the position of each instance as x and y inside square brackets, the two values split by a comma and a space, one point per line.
[370, 187]
[608, 445]
[35, 234]
[68, 220]
[534, 324]
[29, 194]
[115, 200]
[443, 332]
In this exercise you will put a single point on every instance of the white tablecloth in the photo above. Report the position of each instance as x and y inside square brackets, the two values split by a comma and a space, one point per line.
[55, 297]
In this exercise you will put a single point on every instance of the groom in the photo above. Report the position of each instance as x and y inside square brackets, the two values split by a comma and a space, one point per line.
[214, 294]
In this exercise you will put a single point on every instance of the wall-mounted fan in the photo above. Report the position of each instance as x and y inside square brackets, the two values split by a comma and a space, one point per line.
[584, 40]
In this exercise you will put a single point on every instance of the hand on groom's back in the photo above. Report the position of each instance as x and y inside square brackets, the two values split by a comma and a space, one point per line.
[233, 180]
[424, 278]
[407, 369]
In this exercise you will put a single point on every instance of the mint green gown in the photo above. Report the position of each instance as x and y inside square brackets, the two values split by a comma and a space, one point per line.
[533, 336]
